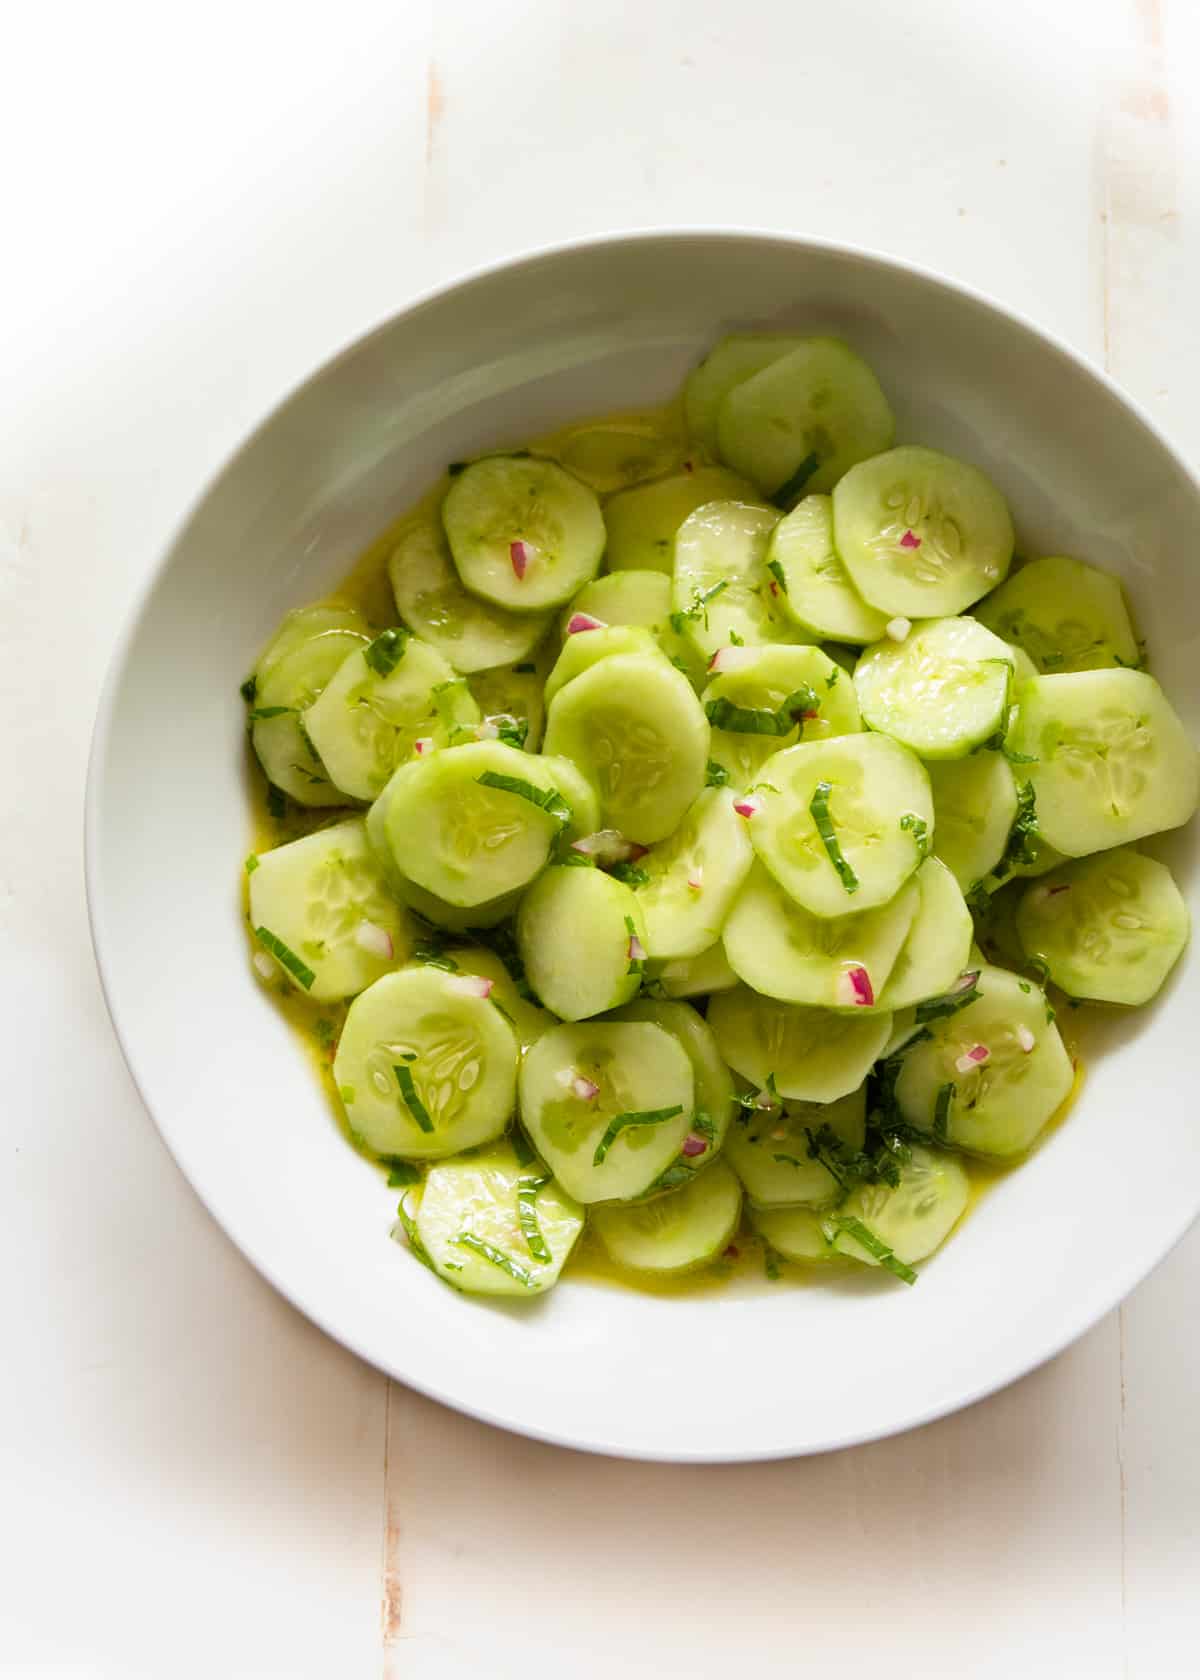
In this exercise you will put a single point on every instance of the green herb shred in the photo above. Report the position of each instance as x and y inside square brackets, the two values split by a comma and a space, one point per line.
[285, 956]
[413, 1103]
[912, 824]
[386, 651]
[252, 863]
[546, 799]
[636, 1117]
[874, 1246]
[261, 713]
[496, 1257]
[757, 720]
[401, 1174]
[632, 874]
[791, 487]
[513, 731]
[527, 1190]
[525, 668]
[276, 802]
[715, 775]
[410, 1231]
[941, 1112]
[936, 1009]
[819, 811]
[776, 571]
[248, 690]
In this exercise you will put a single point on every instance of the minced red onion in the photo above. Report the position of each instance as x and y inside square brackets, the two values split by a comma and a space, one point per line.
[1053, 892]
[487, 730]
[731, 658]
[910, 539]
[855, 988]
[369, 936]
[583, 621]
[518, 553]
[747, 805]
[1025, 1038]
[472, 985]
[422, 745]
[695, 878]
[637, 951]
[965, 981]
[693, 1145]
[898, 628]
[972, 1058]
[585, 1089]
[263, 966]
[608, 846]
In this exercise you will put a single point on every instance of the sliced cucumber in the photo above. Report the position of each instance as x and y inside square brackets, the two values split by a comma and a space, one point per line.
[686, 1228]
[974, 804]
[618, 1090]
[524, 534]
[323, 902]
[785, 952]
[912, 1218]
[714, 1094]
[302, 625]
[921, 534]
[642, 523]
[634, 727]
[1064, 614]
[817, 592]
[794, 1233]
[379, 702]
[610, 455]
[942, 691]
[579, 793]
[687, 977]
[938, 945]
[814, 1054]
[512, 692]
[582, 939]
[723, 590]
[285, 690]
[1111, 926]
[472, 823]
[694, 876]
[758, 690]
[588, 647]
[642, 600]
[843, 823]
[999, 1106]
[493, 1225]
[1111, 760]
[472, 634]
[801, 422]
[769, 1150]
[526, 1019]
[425, 1068]
[730, 362]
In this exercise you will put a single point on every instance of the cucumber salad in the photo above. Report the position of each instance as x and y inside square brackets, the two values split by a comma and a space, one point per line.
[675, 826]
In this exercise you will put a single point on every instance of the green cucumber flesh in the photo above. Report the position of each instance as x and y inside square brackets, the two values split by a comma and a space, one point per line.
[512, 692]
[302, 625]
[641, 523]
[769, 1149]
[688, 977]
[579, 1087]
[1110, 759]
[580, 933]
[938, 945]
[290, 686]
[758, 681]
[611, 455]
[912, 1218]
[714, 1093]
[675, 1232]
[813, 1054]
[1064, 615]
[722, 587]
[794, 1233]
[423, 1068]
[527, 1020]
[842, 824]
[641, 600]
[1110, 926]
[942, 691]
[586, 648]
[730, 362]
[324, 899]
[817, 591]
[524, 534]
[974, 804]
[921, 534]
[819, 404]
[693, 878]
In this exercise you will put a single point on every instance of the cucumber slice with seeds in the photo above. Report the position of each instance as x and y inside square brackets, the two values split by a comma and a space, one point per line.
[1111, 760]
[769, 1150]
[288, 687]
[582, 939]
[942, 691]
[423, 1068]
[722, 586]
[524, 534]
[526, 1019]
[843, 823]
[794, 1233]
[472, 823]
[714, 1094]
[761, 680]
[494, 1226]
[302, 625]
[686, 1228]
[783, 951]
[472, 634]
[730, 362]
[643, 600]
[634, 727]
[608, 1105]
[800, 423]
[378, 703]
[1064, 615]
[998, 1106]
[324, 899]
[642, 523]
[813, 1054]
[912, 1218]
[1111, 926]
[974, 804]
[687, 977]
[694, 876]
[817, 591]
[921, 534]
[938, 945]
[588, 647]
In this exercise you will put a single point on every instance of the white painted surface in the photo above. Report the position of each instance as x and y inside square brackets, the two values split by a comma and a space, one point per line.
[192, 1481]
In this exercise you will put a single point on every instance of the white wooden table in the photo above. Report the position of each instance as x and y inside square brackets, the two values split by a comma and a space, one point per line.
[201, 203]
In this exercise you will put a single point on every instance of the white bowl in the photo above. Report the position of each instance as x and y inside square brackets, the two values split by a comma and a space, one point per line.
[760, 1370]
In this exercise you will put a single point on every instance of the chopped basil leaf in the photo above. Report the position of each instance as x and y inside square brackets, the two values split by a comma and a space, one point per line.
[791, 487]
[401, 1174]
[874, 1246]
[414, 1242]
[770, 1263]
[496, 1257]
[735, 640]
[1024, 986]
[546, 799]
[276, 802]
[631, 873]
[433, 956]
[261, 713]
[249, 689]
[819, 811]
[637, 1117]
[251, 863]
[715, 775]
[1019, 848]
[346, 1092]
[756, 720]
[776, 571]
[408, 1091]
[935, 1009]
[698, 608]
[831, 679]
[524, 668]
[912, 824]
[285, 956]
[522, 1148]
[979, 900]
[941, 1112]
[514, 731]
[527, 1191]
[704, 1126]
[386, 651]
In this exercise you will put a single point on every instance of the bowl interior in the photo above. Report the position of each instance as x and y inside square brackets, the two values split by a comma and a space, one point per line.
[500, 358]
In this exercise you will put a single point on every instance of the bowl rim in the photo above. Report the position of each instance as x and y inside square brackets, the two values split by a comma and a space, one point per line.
[135, 611]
